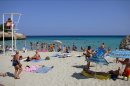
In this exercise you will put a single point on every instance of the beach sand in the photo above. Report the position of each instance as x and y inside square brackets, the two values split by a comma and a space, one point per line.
[66, 72]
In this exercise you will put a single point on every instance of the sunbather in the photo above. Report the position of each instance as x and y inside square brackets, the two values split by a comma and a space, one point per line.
[114, 74]
[35, 57]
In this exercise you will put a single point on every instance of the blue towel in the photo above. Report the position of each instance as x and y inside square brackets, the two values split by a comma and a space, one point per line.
[37, 60]
[43, 69]
[56, 55]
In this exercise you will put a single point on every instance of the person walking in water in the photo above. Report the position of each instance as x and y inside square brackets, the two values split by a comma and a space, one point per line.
[17, 65]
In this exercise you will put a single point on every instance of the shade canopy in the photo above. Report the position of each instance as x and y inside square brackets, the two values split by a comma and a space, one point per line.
[99, 57]
[120, 54]
[99, 60]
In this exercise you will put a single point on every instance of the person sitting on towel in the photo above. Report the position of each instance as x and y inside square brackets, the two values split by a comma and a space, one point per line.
[36, 56]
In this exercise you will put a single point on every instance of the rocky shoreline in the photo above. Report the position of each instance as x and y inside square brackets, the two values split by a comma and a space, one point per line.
[125, 43]
[8, 36]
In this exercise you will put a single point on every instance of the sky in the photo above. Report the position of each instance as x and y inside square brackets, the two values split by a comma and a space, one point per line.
[70, 17]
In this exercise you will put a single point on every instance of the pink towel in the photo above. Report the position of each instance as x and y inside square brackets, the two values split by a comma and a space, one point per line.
[31, 68]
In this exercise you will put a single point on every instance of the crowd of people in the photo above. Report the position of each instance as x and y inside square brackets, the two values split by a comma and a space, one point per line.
[125, 73]
[88, 53]
[52, 47]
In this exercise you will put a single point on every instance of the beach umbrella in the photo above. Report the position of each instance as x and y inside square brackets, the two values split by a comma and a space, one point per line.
[120, 54]
[57, 41]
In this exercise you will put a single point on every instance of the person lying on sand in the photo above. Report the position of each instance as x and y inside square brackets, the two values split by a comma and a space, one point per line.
[113, 74]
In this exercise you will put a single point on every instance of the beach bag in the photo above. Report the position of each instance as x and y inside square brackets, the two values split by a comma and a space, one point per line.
[47, 58]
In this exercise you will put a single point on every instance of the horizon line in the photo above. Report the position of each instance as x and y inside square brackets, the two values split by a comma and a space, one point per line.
[76, 35]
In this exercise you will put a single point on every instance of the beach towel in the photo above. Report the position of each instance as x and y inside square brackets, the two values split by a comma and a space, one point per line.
[61, 55]
[30, 68]
[96, 75]
[37, 60]
[55, 55]
[42, 50]
[37, 69]
[43, 69]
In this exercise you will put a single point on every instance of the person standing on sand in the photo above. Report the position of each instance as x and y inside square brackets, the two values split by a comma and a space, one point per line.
[31, 45]
[17, 65]
[88, 55]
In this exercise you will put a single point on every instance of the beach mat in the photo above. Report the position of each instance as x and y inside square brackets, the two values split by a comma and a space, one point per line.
[36, 69]
[30, 68]
[55, 55]
[63, 55]
[37, 60]
[96, 75]
[43, 69]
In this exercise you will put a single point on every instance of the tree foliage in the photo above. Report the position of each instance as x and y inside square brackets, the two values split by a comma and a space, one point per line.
[1, 28]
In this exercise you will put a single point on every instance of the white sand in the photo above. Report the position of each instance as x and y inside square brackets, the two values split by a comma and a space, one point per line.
[66, 72]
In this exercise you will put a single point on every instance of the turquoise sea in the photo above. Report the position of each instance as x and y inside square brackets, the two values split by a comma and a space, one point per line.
[112, 42]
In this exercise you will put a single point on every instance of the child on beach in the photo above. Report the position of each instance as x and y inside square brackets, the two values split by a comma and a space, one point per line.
[17, 65]
[126, 72]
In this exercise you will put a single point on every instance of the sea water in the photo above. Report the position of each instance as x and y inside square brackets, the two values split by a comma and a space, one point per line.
[112, 42]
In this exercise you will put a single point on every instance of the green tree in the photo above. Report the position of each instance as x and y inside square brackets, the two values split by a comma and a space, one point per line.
[1, 28]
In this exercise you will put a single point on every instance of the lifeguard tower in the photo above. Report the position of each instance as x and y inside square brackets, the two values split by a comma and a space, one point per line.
[12, 29]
